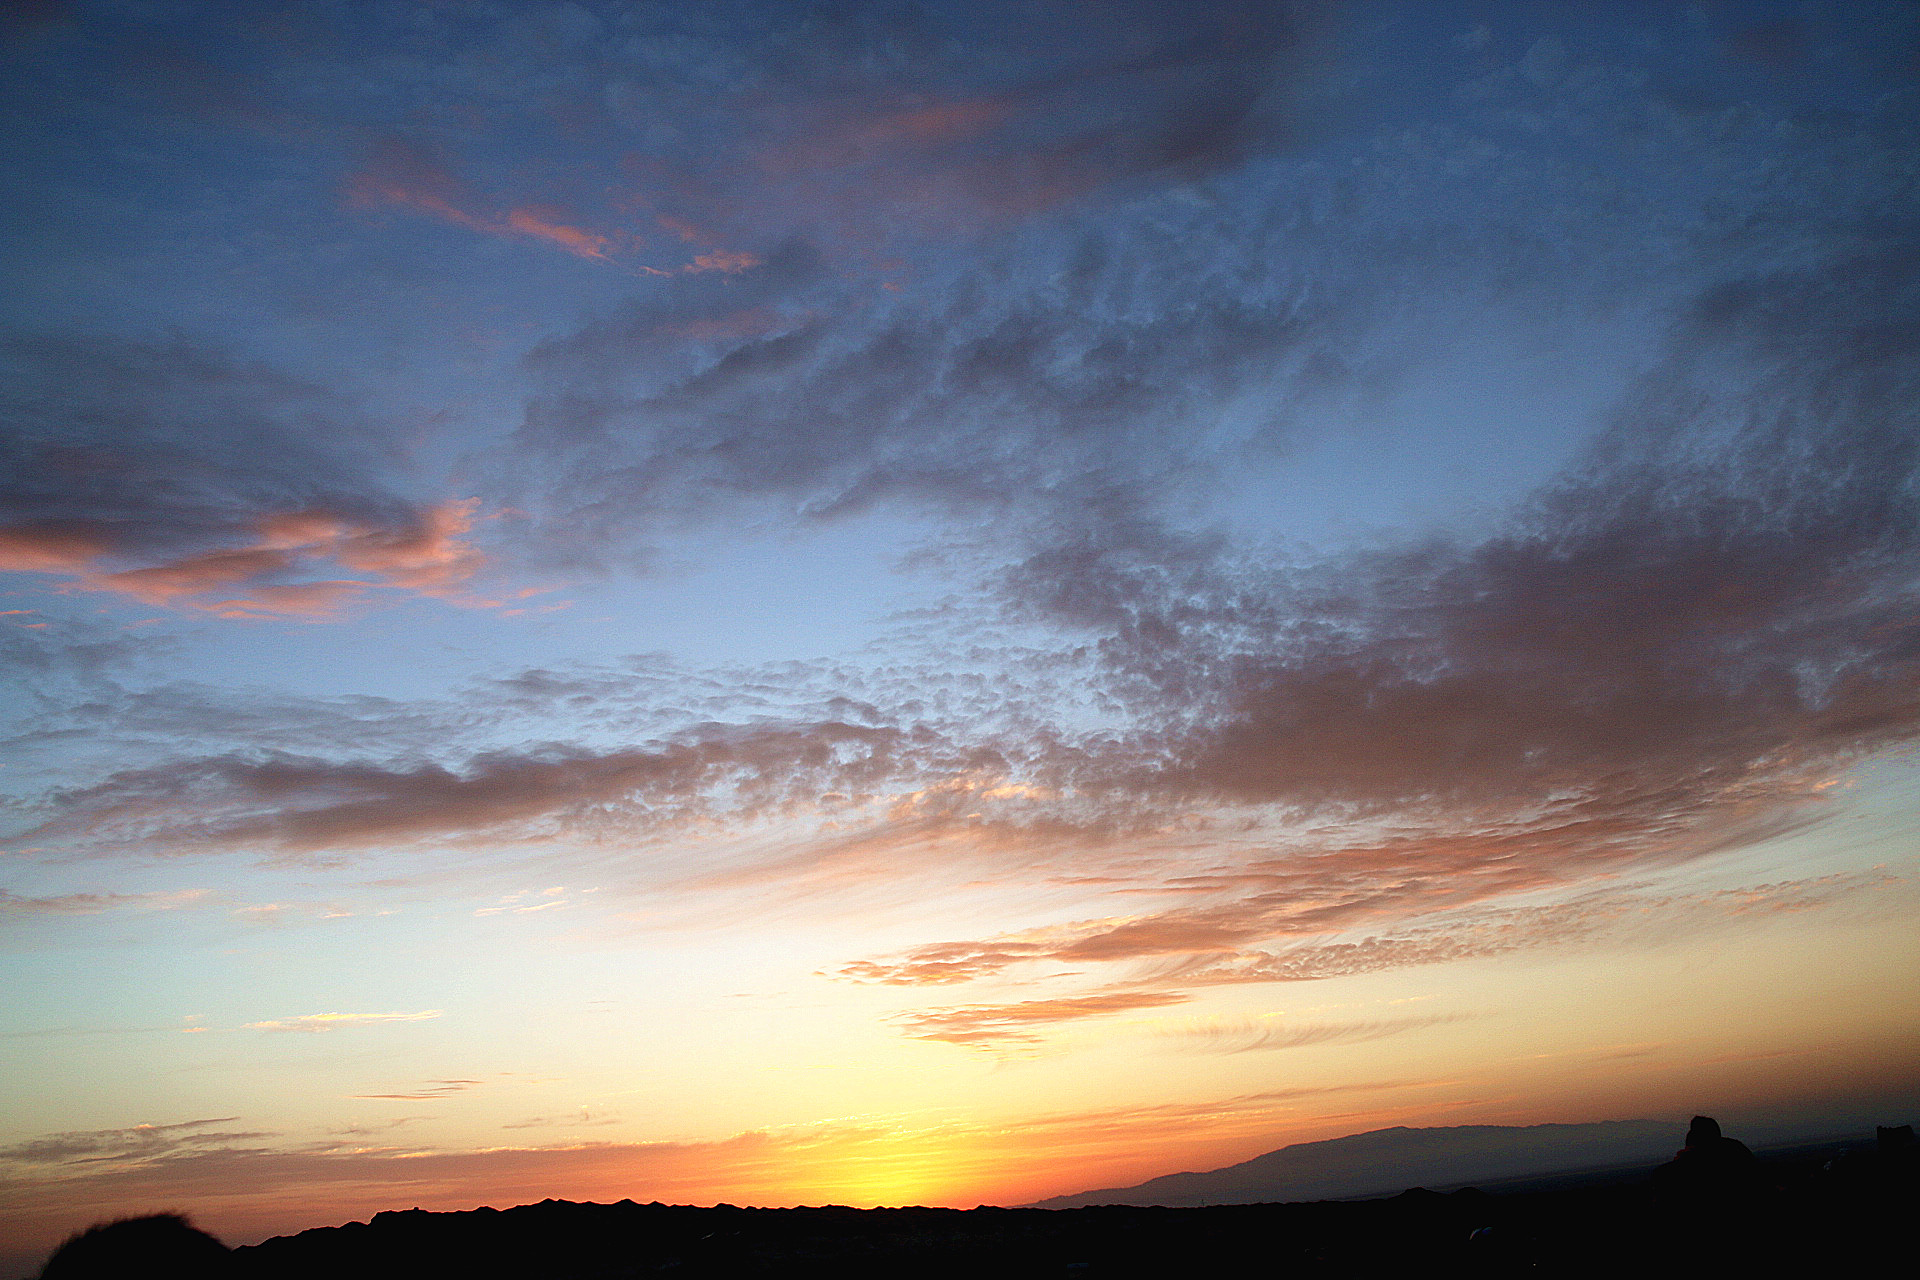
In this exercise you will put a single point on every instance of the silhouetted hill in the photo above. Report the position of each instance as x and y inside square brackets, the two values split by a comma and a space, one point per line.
[1384, 1161]
[1818, 1210]
[1815, 1211]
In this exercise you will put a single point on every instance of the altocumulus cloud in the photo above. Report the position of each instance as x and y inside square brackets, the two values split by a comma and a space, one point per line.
[1297, 765]
[1672, 650]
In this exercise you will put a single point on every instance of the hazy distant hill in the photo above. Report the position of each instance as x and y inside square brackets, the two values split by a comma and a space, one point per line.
[1385, 1161]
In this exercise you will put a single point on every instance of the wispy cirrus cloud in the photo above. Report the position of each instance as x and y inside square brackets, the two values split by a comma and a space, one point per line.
[1250, 1036]
[132, 1144]
[404, 174]
[311, 1023]
[989, 1025]
[432, 1090]
[87, 904]
[585, 1117]
[1181, 954]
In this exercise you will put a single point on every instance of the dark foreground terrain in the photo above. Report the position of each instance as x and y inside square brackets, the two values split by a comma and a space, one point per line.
[1816, 1216]
[1816, 1211]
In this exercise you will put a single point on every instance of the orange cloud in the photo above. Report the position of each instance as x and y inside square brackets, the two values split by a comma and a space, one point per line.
[1251, 1036]
[986, 1025]
[722, 260]
[86, 904]
[49, 547]
[430, 557]
[584, 244]
[167, 584]
[303, 600]
[407, 176]
[687, 231]
[1585, 921]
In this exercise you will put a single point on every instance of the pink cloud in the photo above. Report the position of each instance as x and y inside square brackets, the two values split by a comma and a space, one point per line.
[50, 547]
[432, 557]
[722, 260]
[167, 584]
[407, 176]
[542, 225]
[687, 231]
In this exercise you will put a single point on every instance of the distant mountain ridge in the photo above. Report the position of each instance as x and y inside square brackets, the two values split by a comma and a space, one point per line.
[1385, 1161]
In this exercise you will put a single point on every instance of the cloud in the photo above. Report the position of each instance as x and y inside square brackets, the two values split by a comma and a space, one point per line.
[548, 899]
[1675, 649]
[1179, 961]
[1115, 353]
[305, 804]
[1598, 918]
[430, 1091]
[316, 1022]
[139, 1142]
[1260, 1036]
[1071, 107]
[273, 913]
[723, 261]
[942, 964]
[430, 558]
[1210, 945]
[178, 476]
[404, 174]
[87, 904]
[987, 1026]
[1671, 651]
[586, 1116]
[544, 225]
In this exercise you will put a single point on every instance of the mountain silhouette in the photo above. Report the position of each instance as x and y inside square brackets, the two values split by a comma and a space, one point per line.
[1384, 1161]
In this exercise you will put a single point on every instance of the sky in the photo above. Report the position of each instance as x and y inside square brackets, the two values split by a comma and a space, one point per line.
[885, 603]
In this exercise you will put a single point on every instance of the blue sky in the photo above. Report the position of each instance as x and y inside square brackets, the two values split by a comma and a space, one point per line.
[754, 601]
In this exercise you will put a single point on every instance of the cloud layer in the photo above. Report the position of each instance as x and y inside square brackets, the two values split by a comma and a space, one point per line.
[1083, 523]
[179, 476]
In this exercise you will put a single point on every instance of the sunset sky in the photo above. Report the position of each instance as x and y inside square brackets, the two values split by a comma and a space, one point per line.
[942, 602]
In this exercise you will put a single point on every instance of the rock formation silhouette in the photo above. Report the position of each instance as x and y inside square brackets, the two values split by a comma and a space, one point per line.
[1711, 1167]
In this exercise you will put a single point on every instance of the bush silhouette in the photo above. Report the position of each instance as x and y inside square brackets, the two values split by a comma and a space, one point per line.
[161, 1245]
